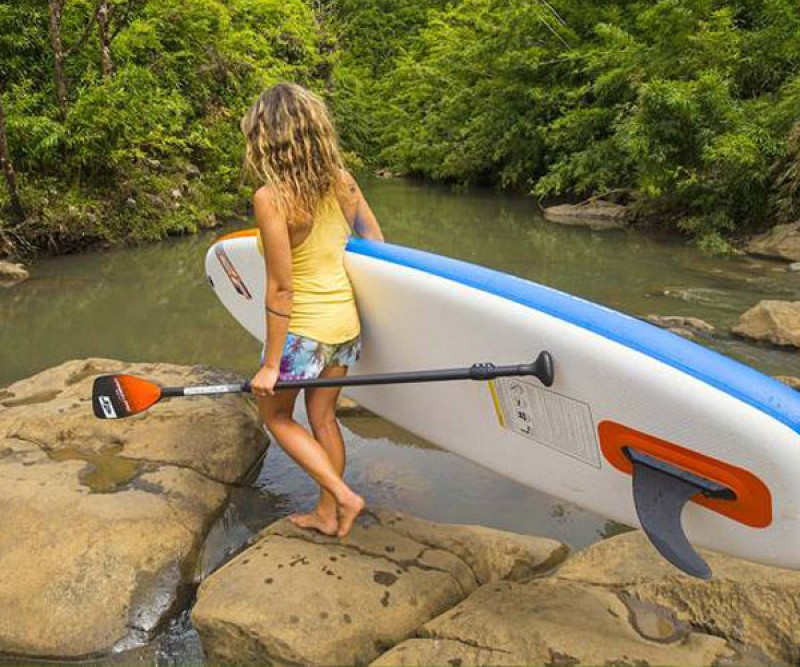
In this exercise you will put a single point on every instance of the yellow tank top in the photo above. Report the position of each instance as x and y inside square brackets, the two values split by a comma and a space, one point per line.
[324, 305]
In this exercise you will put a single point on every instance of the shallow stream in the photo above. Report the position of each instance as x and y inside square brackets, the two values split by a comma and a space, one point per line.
[153, 304]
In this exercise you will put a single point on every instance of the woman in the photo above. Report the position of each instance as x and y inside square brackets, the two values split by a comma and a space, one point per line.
[306, 206]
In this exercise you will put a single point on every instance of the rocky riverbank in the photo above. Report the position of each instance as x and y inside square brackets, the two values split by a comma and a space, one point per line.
[103, 521]
[402, 591]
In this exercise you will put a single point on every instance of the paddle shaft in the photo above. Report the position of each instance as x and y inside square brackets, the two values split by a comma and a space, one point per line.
[542, 368]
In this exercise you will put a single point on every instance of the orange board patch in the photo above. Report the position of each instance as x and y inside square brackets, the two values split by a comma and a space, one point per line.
[242, 233]
[753, 504]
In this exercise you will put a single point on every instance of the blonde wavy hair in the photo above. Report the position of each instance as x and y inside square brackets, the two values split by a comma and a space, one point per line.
[292, 146]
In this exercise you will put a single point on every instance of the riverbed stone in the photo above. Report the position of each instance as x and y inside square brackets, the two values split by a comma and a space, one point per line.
[217, 437]
[347, 407]
[781, 242]
[103, 521]
[553, 622]
[753, 607]
[793, 382]
[598, 215]
[492, 554]
[776, 322]
[688, 327]
[11, 273]
[299, 597]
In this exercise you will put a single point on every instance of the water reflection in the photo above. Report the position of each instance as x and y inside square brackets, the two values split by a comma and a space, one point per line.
[153, 303]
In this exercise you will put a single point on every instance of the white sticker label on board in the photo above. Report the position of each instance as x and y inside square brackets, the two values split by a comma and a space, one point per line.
[548, 418]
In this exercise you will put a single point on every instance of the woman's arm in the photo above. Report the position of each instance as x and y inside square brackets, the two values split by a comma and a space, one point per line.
[278, 264]
[356, 209]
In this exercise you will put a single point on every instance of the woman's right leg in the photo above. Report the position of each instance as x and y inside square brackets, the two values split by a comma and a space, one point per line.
[276, 412]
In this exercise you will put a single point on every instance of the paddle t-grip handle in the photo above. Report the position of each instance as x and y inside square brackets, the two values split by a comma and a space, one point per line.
[541, 368]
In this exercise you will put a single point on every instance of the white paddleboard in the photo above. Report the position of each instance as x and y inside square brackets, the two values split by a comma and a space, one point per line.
[619, 382]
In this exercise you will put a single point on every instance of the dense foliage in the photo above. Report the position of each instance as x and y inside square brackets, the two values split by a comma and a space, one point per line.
[145, 140]
[119, 118]
[685, 107]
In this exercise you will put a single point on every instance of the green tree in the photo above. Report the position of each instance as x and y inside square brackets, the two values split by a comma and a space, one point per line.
[122, 115]
[682, 106]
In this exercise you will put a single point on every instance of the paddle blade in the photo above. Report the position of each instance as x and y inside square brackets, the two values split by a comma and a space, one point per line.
[118, 396]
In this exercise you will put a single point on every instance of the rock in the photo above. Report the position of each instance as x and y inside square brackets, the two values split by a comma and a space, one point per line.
[192, 171]
[155, 201]
[688, 327]
[619, 603]
[385, 173]
[492, 554]
[793, 382]
[596, 214]
[553, 622]
[355, 597]
[706, 296]
[745, 603]
[423, 652]
[11, 274]
[103, 521]
[776, 322]
[347, 407]
[795, 266]
[782, 242]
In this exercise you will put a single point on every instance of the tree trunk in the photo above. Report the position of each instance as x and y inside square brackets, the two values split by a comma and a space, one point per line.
[103, 18]
[17, 210]
[59, 55]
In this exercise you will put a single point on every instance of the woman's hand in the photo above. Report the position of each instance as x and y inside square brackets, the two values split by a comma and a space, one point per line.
[263, 382]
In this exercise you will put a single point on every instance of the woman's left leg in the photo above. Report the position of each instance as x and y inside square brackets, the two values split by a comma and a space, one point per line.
[321, 410]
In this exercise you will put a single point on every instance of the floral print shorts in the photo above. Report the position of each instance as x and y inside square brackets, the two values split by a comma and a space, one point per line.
[304, 358]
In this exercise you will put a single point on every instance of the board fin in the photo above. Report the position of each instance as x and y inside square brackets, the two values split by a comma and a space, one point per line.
[660, 492]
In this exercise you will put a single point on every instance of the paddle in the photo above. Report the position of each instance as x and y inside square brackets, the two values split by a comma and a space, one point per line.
[118, 396]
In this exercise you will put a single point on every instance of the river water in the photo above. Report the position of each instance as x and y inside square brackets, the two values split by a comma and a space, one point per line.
[153, 304]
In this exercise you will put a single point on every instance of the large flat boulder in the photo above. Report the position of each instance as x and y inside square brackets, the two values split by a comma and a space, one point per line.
[301, 598]
[781, 242]
[217, 437]
[103, 521]
[619, 603]
[749, 605]
[552, 622]
[776, 322]
[492, 554]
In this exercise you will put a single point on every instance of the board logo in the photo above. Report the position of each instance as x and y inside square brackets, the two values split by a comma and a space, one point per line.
[107, 407]
[231, 272]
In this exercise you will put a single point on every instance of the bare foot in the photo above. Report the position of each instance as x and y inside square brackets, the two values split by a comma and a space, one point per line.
[314, 521]
[348, 512]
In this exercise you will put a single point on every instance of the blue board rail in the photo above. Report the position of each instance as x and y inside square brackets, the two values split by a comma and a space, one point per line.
[750, 386]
